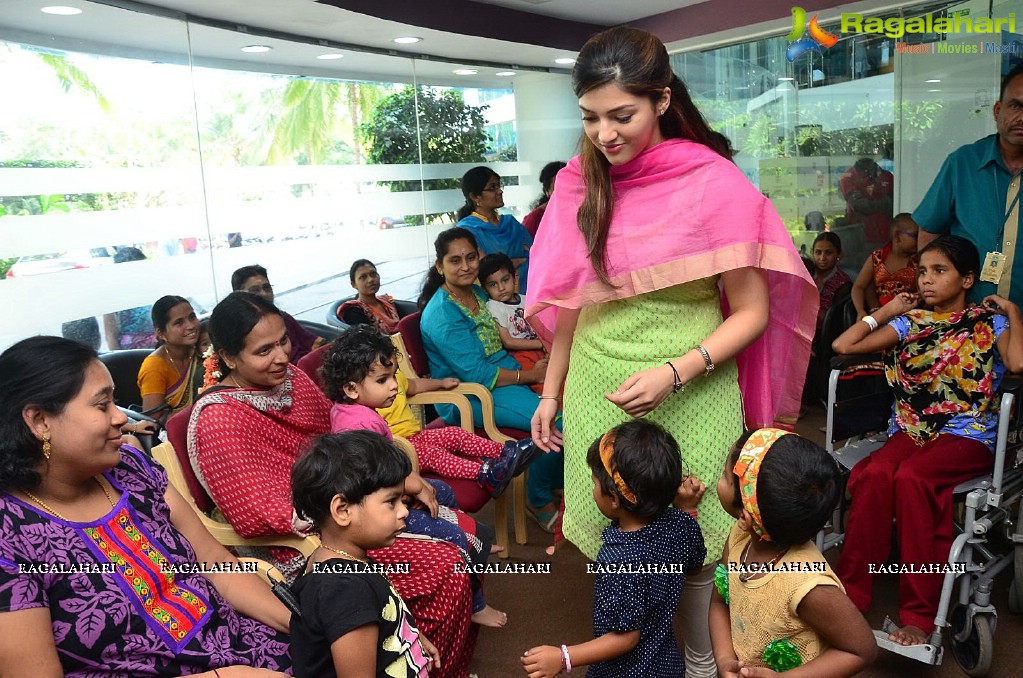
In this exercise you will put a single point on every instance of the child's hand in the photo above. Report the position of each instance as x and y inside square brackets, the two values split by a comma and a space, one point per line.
[543, 662]
[431, 651]
[756, 672]
[729, 668]
[449, 383]
[999, 305]
[689, 494]
[427, 496]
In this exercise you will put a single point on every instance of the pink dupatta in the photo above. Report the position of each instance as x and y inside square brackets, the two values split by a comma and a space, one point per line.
[682, 213]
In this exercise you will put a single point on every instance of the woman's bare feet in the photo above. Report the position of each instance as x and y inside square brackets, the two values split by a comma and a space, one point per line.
[909, 635]
[496, 548]
[488, 616]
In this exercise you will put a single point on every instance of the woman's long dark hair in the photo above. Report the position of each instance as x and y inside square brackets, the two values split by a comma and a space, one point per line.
[473, 183]
[434, 279]
[638, 63]
[547, 175]
[44, 372]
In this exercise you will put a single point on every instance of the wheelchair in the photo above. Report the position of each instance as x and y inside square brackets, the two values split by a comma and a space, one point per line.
[988, 514]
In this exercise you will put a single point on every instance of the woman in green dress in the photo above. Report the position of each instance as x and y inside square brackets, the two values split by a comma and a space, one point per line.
[656, 265]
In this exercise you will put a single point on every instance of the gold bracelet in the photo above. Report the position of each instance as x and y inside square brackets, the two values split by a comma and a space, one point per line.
[518, 376]
[547, 397]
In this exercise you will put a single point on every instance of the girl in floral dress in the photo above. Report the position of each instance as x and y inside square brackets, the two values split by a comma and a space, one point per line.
[945, 365]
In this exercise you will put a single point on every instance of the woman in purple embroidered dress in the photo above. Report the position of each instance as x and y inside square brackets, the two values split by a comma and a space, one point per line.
[90, 533]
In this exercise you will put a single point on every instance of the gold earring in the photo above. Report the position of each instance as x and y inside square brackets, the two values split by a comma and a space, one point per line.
[47, 448]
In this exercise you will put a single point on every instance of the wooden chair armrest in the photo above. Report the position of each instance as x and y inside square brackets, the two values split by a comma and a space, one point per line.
[405, 446]
[226, 535]
[486, 399]
[452, 397]
[263, 568]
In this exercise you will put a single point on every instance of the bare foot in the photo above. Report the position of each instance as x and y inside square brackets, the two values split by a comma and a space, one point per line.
[496, 548]
[488, 616]
[909, 635]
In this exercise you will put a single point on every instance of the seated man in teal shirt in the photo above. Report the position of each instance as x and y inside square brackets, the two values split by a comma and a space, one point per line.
[975, 194]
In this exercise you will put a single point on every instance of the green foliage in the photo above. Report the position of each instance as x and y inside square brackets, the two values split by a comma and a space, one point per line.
[450, 131]
[308, 126]
[71, 76]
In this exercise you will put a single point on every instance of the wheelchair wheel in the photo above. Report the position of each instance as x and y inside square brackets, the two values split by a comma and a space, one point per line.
[975, 653]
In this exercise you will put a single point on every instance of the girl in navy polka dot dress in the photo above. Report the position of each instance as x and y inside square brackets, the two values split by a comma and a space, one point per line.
[647, 550]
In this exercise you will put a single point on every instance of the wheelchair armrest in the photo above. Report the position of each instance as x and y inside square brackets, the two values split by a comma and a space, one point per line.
[1011, 383]
[840, 362]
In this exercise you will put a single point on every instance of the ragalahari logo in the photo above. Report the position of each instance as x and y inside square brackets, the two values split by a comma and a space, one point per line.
[817, 38]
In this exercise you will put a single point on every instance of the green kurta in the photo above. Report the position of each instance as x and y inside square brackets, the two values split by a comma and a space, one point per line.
[612, 341]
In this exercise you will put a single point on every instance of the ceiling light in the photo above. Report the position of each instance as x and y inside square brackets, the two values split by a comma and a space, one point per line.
[332, 55]
[504, 74]
[786, 79]
[564, 60]
[408, 40]
[465, 71]
[253, 49]
[934, 90]
[61, 10]
[933, 80]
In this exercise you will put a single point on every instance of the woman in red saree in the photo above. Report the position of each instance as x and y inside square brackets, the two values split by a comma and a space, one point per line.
[244, 437]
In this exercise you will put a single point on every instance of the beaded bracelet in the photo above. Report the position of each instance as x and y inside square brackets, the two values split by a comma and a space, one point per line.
[566, 661]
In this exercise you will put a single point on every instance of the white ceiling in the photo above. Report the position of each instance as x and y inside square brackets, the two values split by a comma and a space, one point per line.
[107, 29]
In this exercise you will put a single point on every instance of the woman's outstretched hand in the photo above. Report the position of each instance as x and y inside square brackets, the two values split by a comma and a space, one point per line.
[543, 429]
[641, 393]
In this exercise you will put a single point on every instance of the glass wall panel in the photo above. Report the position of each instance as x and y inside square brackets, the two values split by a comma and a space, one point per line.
[183, 157]
[800, 126]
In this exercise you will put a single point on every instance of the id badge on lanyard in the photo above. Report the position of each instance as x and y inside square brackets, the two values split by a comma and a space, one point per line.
[994, 262]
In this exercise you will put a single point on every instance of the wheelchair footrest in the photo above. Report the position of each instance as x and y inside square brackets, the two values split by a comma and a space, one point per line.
[926, 653]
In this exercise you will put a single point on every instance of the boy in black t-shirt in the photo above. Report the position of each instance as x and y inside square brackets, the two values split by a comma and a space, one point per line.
[350, 486]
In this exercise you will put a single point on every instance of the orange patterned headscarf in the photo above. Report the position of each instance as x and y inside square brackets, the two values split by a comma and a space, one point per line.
[607, 454]
[748, 468]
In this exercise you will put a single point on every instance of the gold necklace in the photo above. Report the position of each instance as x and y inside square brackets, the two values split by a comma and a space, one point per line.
[344, 554]
[349, 556]
[173, 360]
[54, 512]
[468, 305]
[745, 575]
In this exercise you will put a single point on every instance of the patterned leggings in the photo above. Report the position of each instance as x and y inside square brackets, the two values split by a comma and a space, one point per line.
[438, 450]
